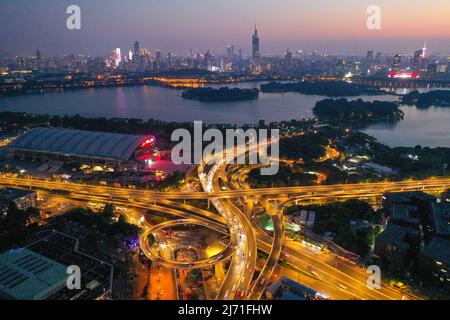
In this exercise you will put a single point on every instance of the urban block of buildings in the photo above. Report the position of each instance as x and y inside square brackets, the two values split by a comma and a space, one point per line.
[23, 199]
[418, 232]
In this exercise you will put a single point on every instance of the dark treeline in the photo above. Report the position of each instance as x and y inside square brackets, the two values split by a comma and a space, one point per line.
[161, 129]
[15, 122]
[326, 88]
[438, 98]
[344, 110]
[18, 122]
[17, 225]
[307, 147]
[40, 86]
[285, 177]
[103, 221]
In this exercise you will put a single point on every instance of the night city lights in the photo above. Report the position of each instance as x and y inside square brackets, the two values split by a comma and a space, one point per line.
[225, 159]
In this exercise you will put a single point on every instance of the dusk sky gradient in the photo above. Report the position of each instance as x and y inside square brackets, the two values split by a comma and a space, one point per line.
[330, 26]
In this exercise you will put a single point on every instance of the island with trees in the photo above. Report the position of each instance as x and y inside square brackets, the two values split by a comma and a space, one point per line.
[358, 110]
[438, 98]
[224, 94]
[325, 88]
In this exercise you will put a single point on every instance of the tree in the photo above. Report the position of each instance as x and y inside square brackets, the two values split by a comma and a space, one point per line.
[12, 226]
[108, 211]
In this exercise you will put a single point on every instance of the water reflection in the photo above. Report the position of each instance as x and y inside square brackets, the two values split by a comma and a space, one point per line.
[426, 127]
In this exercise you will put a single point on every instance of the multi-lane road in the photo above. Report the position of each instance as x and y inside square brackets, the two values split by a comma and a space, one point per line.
[306, 193]
[151, 252]
[239, 276]
[245, 237]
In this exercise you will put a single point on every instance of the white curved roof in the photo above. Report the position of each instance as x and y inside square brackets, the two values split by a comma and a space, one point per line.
[88, 144]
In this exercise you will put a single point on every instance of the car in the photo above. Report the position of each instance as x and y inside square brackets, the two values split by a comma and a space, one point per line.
[341, 286]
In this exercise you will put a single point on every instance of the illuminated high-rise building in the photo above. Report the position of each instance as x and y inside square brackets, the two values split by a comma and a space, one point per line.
[207, 61]
[20, 62]
[37, 63]
[256, 53]
[117, 57]
[158, 60]
[417, 60]
[397, 62]
[424, 50]
[442, 68]
[370, 61]
[170, 60]
[230, 52]
[448, 64]
[288, 59]
[144, 52]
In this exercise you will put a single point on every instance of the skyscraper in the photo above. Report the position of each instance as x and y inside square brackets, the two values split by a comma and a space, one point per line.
[20, 61]
[170, 60]
[288, 59]
[417, 60]
[370, 57]
[136, 48]
[230, 52]
[207, 61]
[397, 62]
[424, 50]
[158, 60]
[256, 54]
[117, 57]
[378, 58]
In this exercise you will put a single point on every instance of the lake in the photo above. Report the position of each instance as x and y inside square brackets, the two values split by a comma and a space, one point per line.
[429, 127]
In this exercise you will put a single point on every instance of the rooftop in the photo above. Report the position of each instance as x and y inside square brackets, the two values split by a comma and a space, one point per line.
[405, 213]
[26, 275]
[274, 287]
[287, 289]
[289, 295]
[88, 144]
[396, 235]
[297, 287]
[440, 215]
[379, 168]
[438, 249]
[10, 194]
[405, 197]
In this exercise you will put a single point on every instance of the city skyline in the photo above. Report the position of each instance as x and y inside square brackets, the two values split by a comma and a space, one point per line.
[225, 150]
[177, 27]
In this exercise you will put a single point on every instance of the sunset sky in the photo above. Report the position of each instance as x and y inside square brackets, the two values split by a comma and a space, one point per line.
[330, 26]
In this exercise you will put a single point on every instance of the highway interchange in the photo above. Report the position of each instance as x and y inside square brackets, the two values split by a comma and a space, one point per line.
[225, 189]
